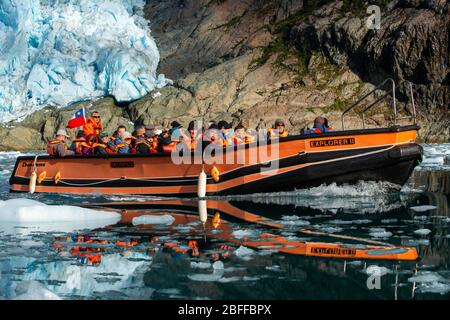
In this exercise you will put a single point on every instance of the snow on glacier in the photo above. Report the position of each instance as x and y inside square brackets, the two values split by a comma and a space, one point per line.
[56, 52]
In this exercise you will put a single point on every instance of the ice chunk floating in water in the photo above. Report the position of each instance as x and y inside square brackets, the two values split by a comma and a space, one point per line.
[58, 52]
[33, 215]
[153, 219]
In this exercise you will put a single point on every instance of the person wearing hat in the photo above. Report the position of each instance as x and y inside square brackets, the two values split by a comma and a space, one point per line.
[122, 143]
[193, 135]
[150, 127]
[278, 130]
[57, 145]
[103, 146]
[148, 144]
[79, 142]
[137, 135]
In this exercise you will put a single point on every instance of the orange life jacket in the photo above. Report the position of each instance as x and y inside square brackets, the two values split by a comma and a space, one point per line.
[104, 146]
[171, 147]
[51, 146]
[273, 134]
[151, 146]
[92, 127]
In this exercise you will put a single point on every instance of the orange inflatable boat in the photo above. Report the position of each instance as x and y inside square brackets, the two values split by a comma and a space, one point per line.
[294, 162]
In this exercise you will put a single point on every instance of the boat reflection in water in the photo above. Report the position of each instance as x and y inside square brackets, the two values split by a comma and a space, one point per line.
[294, 255]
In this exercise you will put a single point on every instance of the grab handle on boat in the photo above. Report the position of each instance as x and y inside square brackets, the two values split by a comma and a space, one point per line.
[353, 105]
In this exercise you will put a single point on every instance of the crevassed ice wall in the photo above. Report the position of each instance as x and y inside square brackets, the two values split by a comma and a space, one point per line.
[55, 52]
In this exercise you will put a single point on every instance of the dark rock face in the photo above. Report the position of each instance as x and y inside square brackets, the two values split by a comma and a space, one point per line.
[195, 35]
[412, 44]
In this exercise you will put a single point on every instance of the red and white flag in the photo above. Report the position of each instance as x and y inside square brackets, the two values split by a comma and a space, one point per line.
[78, 119]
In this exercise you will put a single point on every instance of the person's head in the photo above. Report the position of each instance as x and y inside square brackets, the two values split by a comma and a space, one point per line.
[239, 130]
[91, 139]
[149, 136]
[140, 130]
[126, 137]
[150, 127]
[96, 116]
[325, 122]
[318, 122]
[193, 128]
[157, 132]
[279, 125]
[223, 125]
[61, 135]
[104, 137]
[81, 134]
[120, 129]
[175, 124]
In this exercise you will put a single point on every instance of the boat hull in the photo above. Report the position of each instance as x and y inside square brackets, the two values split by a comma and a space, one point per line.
[290, 163]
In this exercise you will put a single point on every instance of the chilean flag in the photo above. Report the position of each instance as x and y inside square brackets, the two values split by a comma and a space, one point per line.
[78, 119]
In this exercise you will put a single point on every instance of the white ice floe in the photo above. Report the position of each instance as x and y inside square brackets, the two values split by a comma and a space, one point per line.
[34, 290]
[244, 233]
[243, 252]
[200, 265]
[376, 270]
[218, 265]
[58, 52]
[25, 216]
[379, 233]
[422, 232]
[423, 208]
[207, 277]
[430, 282]
[154, 219]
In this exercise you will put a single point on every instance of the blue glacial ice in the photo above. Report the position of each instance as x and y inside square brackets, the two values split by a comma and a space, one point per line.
[56, 52]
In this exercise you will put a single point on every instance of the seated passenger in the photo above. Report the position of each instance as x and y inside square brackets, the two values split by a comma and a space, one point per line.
[57, 145]
[320, 126]
[79, 141]
[118, 132]
[123, 143]
[239, 135]
[224, 133]
[87, 149]
[212, 136]
[193, 136]
[147, 145]
[278, 130]
[103, 146]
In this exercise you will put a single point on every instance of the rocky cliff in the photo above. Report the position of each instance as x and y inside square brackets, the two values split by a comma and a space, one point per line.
[257, 60]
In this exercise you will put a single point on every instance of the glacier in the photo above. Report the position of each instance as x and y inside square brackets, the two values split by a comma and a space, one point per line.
[57, 52]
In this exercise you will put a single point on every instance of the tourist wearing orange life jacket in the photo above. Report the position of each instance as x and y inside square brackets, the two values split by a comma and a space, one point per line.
[137, 135]
[193, 136]
[79, 142]
[278, 130]
[93, 125]
[211, 136]
[241, 136]
[57, 145]
[225, 134]
[147, 145]
[103, 146]
[172, 137]
[123, 143]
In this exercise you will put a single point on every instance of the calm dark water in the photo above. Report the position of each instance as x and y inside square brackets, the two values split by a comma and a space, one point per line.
[159, 260]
